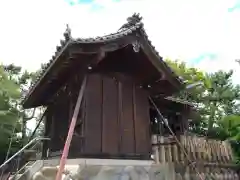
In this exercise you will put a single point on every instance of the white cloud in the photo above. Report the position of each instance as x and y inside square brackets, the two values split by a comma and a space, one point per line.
[184, 29]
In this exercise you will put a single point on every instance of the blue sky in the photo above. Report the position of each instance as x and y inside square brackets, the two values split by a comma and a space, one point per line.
[204, 33]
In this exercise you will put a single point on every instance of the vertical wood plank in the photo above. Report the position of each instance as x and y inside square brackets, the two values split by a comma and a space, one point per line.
[142, 121]
[93, 124]
[120, 114]
[60, 121]
[229, 149]
[225, 151]
[205, 153]
[162, 150]
[64, 113]
[135, 120]
[195, 150]
[187, 173]
[213, 153]
[169, 149]
[110, 112]
[155, 148]
[127, 123]
[166, 153]
[175, 152]
[83, 116]
[182, 141]
[189, 147]
[53, 132]
[47, 131]
[217, 150]
[223, 159]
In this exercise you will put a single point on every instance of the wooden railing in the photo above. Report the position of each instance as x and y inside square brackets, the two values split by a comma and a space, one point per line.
[206, 157]
[166, 149]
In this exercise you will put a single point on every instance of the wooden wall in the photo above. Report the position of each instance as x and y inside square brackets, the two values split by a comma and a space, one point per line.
[114, 116]
[57, 122]
[117, 120]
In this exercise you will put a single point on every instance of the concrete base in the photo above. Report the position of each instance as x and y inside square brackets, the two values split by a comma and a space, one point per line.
[104, 169]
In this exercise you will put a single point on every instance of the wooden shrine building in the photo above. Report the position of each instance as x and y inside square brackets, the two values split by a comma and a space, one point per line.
[122, 71]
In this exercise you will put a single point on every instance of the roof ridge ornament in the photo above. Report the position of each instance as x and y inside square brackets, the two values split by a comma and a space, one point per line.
[132, 21]
[136, 46]
[68, 33]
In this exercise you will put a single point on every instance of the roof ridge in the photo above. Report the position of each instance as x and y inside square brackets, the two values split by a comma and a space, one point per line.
[133, 23]
[111, 36]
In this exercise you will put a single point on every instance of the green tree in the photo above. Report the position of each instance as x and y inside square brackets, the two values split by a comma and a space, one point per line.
[13, 119]
[217, 102]
[215, 98]
[221, 99]
[22, 80]
[229, 128]
[192, 76]
[9, 114]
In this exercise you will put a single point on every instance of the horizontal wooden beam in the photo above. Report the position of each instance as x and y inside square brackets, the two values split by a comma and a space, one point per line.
[95, 47]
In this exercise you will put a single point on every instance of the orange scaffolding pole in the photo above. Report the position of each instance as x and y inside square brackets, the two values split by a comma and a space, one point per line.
[71, 130]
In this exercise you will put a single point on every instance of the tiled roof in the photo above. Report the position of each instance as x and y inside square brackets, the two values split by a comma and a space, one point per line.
[134, 25]
[181, 101]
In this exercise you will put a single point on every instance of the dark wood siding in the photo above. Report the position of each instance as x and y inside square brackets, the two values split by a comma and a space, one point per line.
[47, 132]
[93, 121]
[114, 118]
[142, 121]
[60, 121]
[117, 117]
[110, 138]
[126, 122]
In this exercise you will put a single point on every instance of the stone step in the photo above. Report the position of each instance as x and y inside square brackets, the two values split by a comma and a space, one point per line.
[26, 167]
[15, 177]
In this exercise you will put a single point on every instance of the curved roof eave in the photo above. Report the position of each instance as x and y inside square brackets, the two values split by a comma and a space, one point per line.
[129, 29]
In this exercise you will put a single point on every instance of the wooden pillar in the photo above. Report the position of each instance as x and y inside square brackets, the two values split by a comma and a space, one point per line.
[184, 120]
[160, 125]
[51, 124]
[48, 125]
